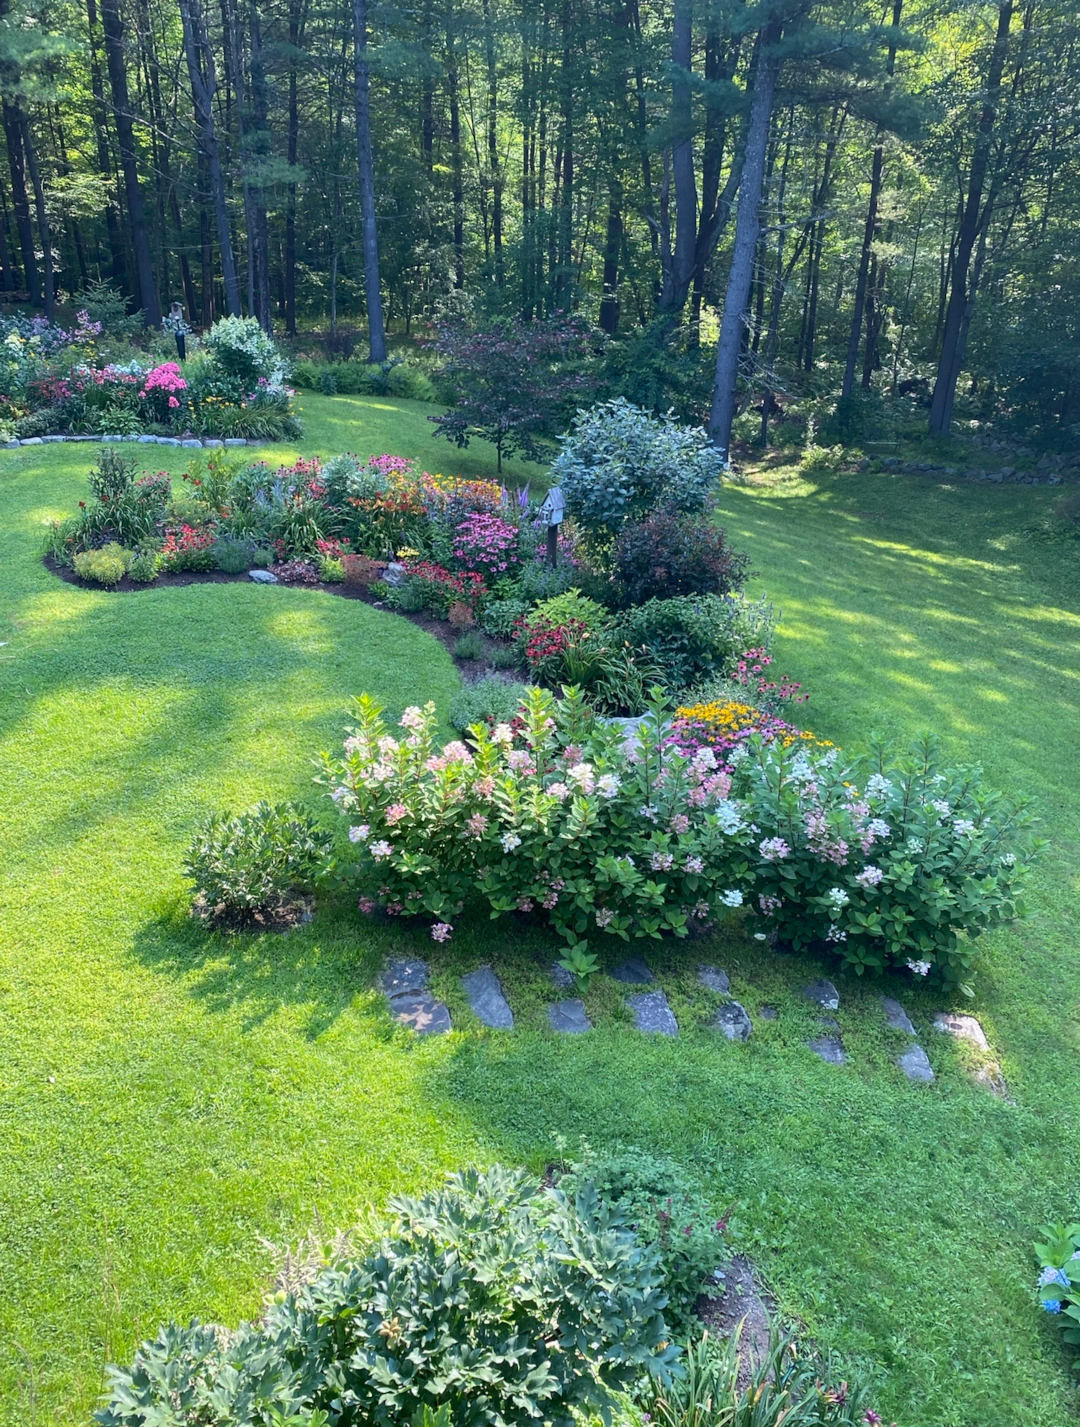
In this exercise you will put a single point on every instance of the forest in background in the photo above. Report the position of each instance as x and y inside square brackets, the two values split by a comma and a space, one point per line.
[841, 199]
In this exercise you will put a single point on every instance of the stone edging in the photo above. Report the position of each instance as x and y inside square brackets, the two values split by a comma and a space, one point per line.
[191, 441]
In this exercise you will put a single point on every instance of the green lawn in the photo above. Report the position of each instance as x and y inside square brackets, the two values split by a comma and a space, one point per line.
[168, 1097]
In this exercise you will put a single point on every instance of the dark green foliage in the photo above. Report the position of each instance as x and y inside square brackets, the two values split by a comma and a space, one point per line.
[113, 476]
[469, 645]
[233, 554]
[689, 637]
[489, 699]
[258, 859]
[671, 554]
[502, 1301]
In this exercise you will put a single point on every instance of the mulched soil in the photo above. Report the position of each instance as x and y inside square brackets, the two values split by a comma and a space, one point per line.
[263, 919]
[439, 628]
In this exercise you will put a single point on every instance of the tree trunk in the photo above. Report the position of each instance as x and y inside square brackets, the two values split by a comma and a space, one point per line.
[296, 26]
[48, 287]
[971, 220]
[494, 166]
[613, 241]
[20, 202]
[260, 151]
[457, 166]
[117, 257]
[147, 295]
[747, 233]
[203, 77]
[679, 272]
[366, 171]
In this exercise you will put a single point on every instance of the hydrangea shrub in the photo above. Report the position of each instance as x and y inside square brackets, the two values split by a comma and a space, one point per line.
[1059, 1281]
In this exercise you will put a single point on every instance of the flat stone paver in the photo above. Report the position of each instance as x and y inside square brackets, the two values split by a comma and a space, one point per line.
[421, 1013]
[400, 978]
[486, 998]
[561, 978]
[915, 1065]
[896, 1016]
[568, 1017]
[964, 1028]
[732, 1021]
[713, 979]
[824, 993]
[830, 1049]
[652, 1013]
[633, 972]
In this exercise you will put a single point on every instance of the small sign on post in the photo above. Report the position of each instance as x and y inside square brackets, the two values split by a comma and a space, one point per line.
[552, 511]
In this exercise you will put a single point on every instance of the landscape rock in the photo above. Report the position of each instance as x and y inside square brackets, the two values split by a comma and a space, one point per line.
[990, 1075]
[568, 1017]
[964, 1028]
[824, 993]
[235, 441]
[486, 998]
[830, 1049]
[262, 577]
[653, 1014]
[560, 977]
[403, 978]
[52, 438]
[148, 440]
[211, 442]
[394, 574]
[713, 979]
[915, 1065]
[732, 1021]
[421, 1013]
[36, 441]
[632, 972]
[12, 445]
[896, 1016]
[192, 442]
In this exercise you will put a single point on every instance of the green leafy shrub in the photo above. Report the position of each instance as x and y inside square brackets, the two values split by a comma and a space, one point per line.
[469, 645]
[36, 423]
[232, 554]
[552, 815]
[331, 570]
[501, 1301]
[106, 566]
[500, 616]
[144, 568]
[239, 348]
[1059, 1281]
[113, 476]
[505, 656]
[487, 700]
[903, 868]
[619, 463]
[688, 637]
[669, 1213]
[258, 860]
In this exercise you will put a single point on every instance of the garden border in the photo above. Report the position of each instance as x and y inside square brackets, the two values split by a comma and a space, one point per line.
[190, 441]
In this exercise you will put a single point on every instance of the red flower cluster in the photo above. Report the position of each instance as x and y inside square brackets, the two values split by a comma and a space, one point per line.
[545, 640]
[187, 549]
[469, 588]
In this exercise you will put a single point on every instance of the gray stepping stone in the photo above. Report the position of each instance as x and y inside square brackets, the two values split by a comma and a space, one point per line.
[403, 978]
[486, 997]
[633, 972]
[965, 1028]
[829, 1049]
[560, 977]
[732, 1021]
[713, 979]
[896, 1016]
[824, 993]
[262, 577]
[568, 1017]
[421, 1013]
[652, 1013]
[915, 1065]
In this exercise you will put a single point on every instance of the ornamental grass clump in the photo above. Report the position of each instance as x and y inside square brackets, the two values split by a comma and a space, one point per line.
[900, 869]
[559, 818]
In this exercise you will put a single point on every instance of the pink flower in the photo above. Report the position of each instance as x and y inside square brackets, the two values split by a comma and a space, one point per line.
[366, 905]
[441, 931]
[477, 824]
[395, 812]
[774, 849]
[485, 786]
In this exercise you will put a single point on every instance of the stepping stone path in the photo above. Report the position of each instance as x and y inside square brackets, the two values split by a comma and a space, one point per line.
[824, 993]
[713, 979]
[486, 997]
[964, 1028]
[633, 972]
[652, 1013]
[913, 1061]
[568, 1017]
[405, 986]
[829, 1049]
[732, 1021]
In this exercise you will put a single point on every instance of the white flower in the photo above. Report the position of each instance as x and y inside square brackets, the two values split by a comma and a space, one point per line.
[648, 811]
[558, 790]
[878, 827]
[607, 785]
[835, 934]
[837, 897]
[340, 794]
[914, 844]
[728, 816]
[695, 864]
[964, 827]
[877, 786]
[502, 733]
[381, 849]
[662, 861]
[441, 931]
[760, 936]
[510, 840]
[920, 968]
[705, 759]
[580, 773]
[869, 877]
[1009, 859]
[359, 834]
[941, 807]
[603, 916]
[731, 898]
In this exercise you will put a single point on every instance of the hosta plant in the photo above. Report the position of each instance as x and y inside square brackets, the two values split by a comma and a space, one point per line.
[901, 863]
[556, 816]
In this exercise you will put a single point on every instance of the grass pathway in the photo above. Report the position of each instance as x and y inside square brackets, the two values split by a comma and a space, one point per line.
[166, 1098]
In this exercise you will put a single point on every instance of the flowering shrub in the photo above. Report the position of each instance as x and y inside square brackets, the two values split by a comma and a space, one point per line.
[1059, 1281]
[900, 869]
[486, 543]
[162, 390]
[438, 588]
[726, 726]
[239, 348]
[187, 548]
[668, 553]
[562, 820]
[749, 671]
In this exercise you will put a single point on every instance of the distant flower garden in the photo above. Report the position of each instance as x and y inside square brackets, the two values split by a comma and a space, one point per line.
[53, 382]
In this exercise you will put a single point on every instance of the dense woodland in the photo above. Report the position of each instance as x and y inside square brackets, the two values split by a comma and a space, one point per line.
[827, 196]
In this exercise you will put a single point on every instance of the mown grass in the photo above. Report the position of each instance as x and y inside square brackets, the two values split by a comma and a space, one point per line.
[168, 1097]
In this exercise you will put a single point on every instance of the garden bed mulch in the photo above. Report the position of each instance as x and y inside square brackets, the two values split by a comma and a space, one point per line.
[440, 629]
